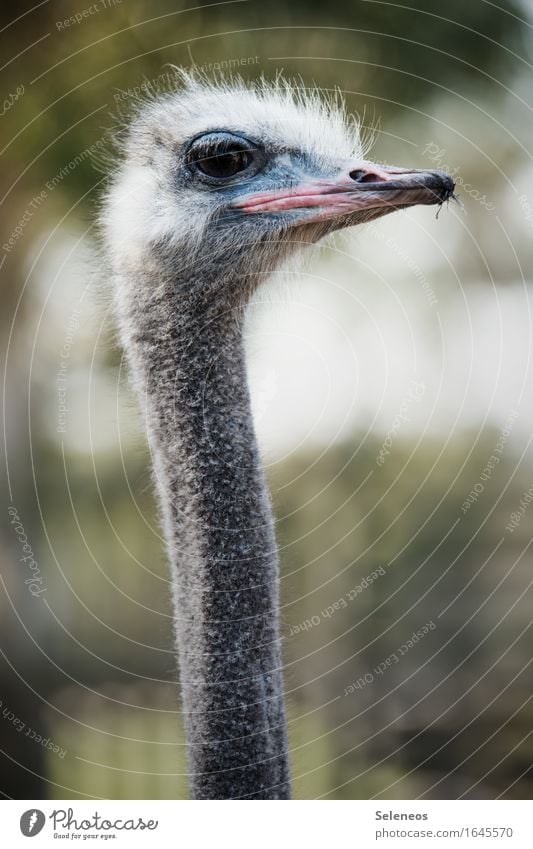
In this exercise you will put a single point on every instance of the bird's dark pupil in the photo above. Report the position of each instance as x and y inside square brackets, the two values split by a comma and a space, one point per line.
[224, 164]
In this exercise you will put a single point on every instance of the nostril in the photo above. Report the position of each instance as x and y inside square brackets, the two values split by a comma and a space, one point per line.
[362, 176]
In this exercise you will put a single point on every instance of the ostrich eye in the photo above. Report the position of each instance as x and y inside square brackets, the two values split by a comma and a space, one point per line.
[226, 164]
[221, 156]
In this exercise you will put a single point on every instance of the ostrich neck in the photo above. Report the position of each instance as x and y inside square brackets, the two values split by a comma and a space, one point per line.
[190, 366]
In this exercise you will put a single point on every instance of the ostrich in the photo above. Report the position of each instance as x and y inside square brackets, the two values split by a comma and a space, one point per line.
[218, 184]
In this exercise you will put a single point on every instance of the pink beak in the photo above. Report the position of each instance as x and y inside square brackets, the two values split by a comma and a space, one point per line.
[364, 187]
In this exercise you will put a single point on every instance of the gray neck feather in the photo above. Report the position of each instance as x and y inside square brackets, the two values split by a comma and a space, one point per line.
[188, 363]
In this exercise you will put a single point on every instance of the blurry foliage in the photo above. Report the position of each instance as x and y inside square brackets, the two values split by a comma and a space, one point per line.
[411, 525]
[336, 534]
[111, 603]
[388, 55]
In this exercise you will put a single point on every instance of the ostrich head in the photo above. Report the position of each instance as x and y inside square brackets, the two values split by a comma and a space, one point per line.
[222, 182]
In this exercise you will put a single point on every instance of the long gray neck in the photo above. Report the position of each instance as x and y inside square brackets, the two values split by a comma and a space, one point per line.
[189, 363]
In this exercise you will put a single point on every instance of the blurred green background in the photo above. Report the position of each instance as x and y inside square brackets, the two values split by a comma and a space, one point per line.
[390, 520]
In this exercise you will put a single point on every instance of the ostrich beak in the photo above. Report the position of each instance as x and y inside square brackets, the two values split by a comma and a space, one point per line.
[364, 187]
